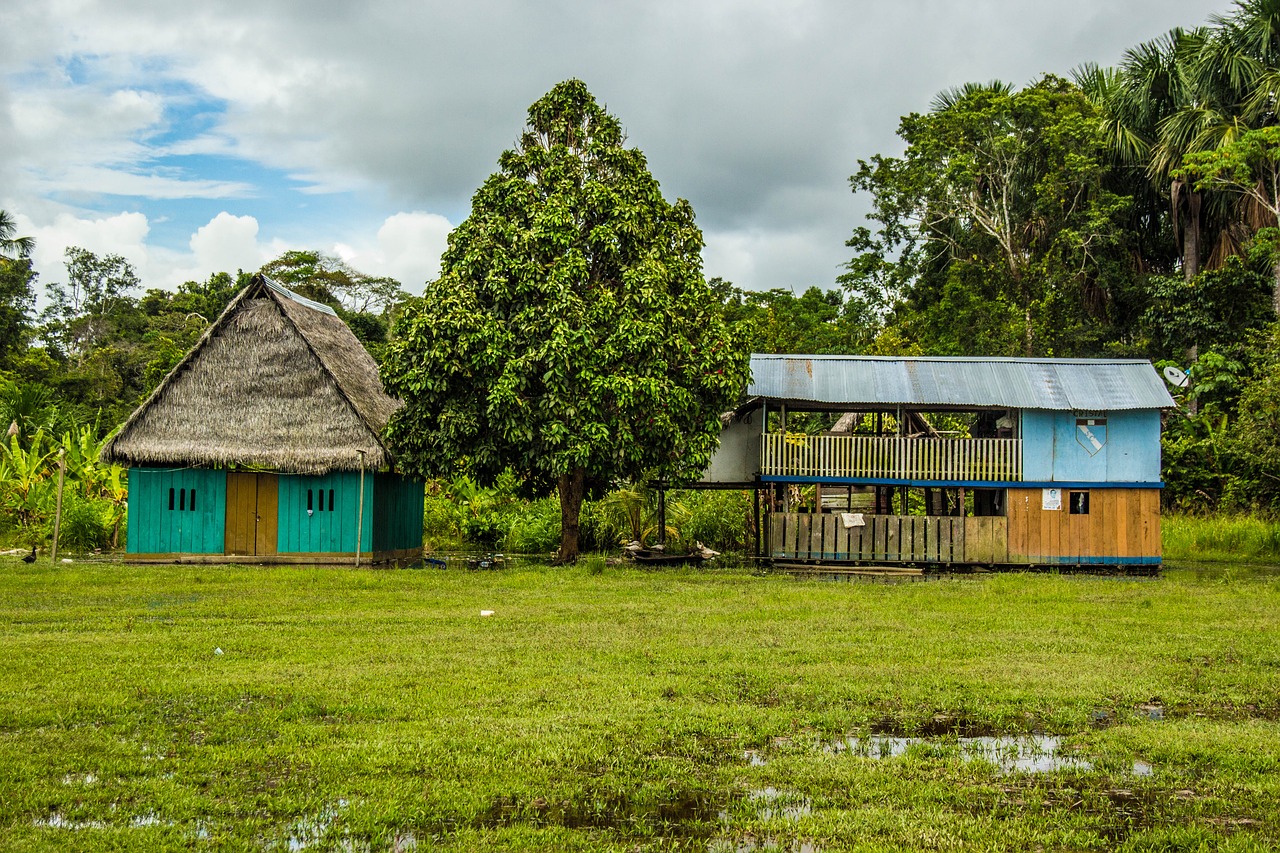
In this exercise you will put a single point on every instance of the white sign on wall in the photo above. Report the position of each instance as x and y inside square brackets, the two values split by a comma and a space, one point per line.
[1051, 499]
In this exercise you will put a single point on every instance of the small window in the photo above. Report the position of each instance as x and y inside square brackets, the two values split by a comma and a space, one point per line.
[171, 498]
[321, 494]
[309, 507]
[182, 500]
[1078, 503]
[192, 507]
[331, 500]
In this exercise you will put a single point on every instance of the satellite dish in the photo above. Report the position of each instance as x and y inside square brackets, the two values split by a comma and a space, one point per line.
[1176, 376]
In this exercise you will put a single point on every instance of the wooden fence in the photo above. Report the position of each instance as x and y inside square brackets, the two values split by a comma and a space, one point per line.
[889, 538]
[872, 457]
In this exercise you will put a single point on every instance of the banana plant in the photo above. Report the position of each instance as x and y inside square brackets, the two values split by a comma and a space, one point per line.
[25, 476]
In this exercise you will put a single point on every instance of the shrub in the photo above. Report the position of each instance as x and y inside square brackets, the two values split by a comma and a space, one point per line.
[85, 523]
[534, 527]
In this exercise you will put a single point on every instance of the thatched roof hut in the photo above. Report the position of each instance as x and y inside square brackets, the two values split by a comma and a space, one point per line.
[278, 382]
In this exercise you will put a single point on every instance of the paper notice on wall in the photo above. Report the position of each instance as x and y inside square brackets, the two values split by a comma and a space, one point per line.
[852, 519]
[1051, 499]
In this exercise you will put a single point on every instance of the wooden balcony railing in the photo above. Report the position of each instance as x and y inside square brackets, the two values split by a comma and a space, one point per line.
[872, 457]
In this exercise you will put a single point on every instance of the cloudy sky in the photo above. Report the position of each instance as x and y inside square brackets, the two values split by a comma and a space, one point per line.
[194, 138]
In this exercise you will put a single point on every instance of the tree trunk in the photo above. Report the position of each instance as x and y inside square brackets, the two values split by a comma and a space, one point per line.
[1275, 290]
[1191, 238]
[571, 487]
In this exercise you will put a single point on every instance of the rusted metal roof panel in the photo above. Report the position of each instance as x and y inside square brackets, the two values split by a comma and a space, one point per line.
[1015, 383]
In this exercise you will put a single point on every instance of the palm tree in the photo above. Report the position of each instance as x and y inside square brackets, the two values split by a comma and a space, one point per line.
[12, 247]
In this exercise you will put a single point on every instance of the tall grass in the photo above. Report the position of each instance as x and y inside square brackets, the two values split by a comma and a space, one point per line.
[1220, 537]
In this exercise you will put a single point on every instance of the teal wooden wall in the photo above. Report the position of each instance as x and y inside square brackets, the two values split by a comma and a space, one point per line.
[330, 527]
[392, 512]
[154, 528]
[398, 513]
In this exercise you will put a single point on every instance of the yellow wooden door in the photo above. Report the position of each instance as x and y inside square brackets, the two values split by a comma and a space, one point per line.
[242, 511]
[268, 514]
[252, 514]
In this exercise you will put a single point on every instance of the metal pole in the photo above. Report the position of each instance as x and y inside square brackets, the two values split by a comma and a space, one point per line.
[57, 514]
[360, 511]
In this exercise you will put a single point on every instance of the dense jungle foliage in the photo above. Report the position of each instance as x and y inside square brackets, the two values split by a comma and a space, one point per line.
[1127, 211]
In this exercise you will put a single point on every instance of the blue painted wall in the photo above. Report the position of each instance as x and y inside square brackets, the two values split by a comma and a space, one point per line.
[1056, 449]
[155, 528]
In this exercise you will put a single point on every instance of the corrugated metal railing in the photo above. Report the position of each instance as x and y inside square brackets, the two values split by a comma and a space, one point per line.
[871, 457]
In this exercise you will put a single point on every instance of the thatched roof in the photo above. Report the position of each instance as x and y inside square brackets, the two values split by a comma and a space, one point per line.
[277, 382]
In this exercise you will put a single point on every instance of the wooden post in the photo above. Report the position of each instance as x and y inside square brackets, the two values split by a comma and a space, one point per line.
[756, 504]
[57, 513]
[360, 512]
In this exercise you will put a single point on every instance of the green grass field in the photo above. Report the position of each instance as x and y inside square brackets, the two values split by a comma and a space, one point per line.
[625, 710]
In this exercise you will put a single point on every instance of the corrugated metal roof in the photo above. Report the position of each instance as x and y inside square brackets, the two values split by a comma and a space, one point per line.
[1078, 384]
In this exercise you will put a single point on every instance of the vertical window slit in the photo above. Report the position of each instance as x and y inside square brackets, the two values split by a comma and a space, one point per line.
[182, 500]
[193, 500]
[171, 497]
[309, 507]
[331, 500]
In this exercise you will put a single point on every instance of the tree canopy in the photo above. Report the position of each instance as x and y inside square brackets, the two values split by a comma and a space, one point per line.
[571, 334]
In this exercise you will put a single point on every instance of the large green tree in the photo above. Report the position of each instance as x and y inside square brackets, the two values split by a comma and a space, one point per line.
[571, 334]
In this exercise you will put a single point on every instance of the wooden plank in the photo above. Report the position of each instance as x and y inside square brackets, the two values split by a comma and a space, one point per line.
[1015, 512]
[917, 539]
[945, 528]
[1133, 512]
[931, 539]
[1153, 510]
[266, 534]
[241, 505]
[893, 539]
[829, 523]
[999, 539]
[1149, 500]
[1120, 523]
[1101, 523]
[775, 527]
[977, 540]
[1035, 539]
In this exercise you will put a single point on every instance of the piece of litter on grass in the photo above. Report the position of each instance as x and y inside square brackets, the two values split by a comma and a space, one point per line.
[66, 559]
[217, 651]
[486, 612]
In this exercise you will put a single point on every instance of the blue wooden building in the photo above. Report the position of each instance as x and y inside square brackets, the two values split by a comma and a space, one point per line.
[265, 445]
[950, 461]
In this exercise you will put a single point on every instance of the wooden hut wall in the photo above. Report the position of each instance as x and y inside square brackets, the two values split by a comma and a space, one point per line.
[176, 511]
[330, 527]
[1121, 526]
[889, 538]
[397, 506]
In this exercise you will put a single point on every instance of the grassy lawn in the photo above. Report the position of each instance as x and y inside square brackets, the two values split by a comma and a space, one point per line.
[631, 710]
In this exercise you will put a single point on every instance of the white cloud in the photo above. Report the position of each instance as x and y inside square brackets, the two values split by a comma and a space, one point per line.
[123, 234]
[228, 243]
[407, 248]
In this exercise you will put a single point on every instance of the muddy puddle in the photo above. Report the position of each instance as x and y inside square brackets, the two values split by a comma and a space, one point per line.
[1009, 753]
